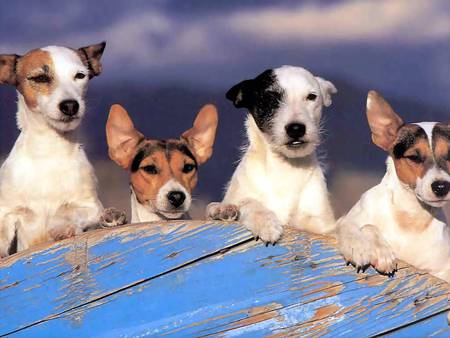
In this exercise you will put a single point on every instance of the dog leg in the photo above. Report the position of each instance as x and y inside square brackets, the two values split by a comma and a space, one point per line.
[72, 218]
[262, 222]
[8, 228]
[19, 223]
[222, 212]
[365, 246]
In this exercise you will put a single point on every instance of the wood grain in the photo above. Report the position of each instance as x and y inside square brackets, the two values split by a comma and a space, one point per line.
[210, 279]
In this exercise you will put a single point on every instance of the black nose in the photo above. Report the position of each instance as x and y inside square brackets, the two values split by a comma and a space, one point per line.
[176, 198]
[440, 188]
[295, 130]
[69, 107]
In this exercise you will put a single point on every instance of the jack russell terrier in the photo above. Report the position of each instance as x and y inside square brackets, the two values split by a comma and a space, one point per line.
[163, 173]
[47, 186]
[402, 217]
[279, 179]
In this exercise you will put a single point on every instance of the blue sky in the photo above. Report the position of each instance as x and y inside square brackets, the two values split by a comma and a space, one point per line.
[400, 47]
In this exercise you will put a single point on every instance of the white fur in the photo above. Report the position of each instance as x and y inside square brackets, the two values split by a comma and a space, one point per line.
[161, 209]
[275, 186]
[47, 184]
[371, 234]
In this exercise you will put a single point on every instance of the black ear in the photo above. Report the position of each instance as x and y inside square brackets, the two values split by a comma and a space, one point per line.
[91, 55]
[240, 94]
[8, 69]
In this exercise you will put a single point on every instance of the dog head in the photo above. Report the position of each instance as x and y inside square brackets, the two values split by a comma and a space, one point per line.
[286, 104]
[163, 173]
[420, 150]
[53, 81]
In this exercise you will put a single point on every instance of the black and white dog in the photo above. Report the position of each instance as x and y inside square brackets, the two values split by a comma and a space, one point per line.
[279, 180]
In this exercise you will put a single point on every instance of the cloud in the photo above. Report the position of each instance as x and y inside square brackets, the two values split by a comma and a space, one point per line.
[347, 21]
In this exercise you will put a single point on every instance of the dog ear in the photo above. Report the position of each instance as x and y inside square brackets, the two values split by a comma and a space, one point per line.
[121, 136]
[240, 94]
[8, 69]
[326, 89]
[91, 55]
[384, 123]
[201, 136]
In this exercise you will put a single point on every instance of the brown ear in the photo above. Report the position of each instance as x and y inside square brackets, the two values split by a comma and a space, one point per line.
[91, 55]
[8, 69]
[383, 121]
[121, 136]
[201, 136]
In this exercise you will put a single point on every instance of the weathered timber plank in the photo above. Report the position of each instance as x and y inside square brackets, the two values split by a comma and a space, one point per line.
[297, 288]
[37, 284]
[436, 326]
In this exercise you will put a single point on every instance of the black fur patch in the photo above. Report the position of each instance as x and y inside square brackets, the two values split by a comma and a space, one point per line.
[261, 96]
[407, 141]
[166, 146]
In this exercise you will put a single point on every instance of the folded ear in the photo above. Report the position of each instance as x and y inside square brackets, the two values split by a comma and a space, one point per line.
[326, 89]
[384, 123]
[91, 55]
[121, 136]
[8, 69]
[241, 94]
[201, 136]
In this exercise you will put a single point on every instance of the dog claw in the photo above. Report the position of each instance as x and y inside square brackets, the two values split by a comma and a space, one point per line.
[257, 238]
[267, 244]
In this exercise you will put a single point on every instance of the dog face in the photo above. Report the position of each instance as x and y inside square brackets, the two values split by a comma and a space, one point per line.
[286, 104]
[53, 81]
[420, 150]
[163, 173]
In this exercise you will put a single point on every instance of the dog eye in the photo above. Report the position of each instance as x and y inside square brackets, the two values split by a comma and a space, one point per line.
[188, 168]
[80, 76]
[311, 97]
[40, 78]
[150, 169]
[415, 159]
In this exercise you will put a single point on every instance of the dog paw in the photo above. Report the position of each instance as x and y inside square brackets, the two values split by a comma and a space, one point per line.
[112, 217]
[222, 212]
[265, 226]
[382, 257]
[63, 232]
[356, 253]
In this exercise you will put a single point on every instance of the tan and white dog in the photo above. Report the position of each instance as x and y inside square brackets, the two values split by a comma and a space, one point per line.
[47, 185]
[279, 180]
[163, 172]
[402, 217]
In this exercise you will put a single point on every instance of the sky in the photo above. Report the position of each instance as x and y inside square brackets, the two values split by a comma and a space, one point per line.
[399, 46]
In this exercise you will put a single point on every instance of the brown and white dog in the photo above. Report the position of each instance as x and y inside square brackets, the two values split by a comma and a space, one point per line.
[402, 217]
[163, 173]
[47, 185]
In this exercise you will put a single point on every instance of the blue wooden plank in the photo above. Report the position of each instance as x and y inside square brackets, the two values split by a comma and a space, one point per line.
[71, 273]
[436, 326]
[297, 288]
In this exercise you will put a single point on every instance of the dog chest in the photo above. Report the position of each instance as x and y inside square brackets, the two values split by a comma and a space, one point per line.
[39, 179]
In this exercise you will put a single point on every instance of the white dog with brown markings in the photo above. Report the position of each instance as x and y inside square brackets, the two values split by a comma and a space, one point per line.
[47, 185]
[402, 217]
[279, 180]
[163, 173]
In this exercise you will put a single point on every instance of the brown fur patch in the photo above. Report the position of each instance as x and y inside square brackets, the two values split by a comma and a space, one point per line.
[441, 143]
[407, 170]
[169, 165]
[34, 63]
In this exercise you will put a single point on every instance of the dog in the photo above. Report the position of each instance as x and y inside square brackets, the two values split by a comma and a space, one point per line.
[279, 179]
[402, 217]
[47, 185]
[163, 172]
